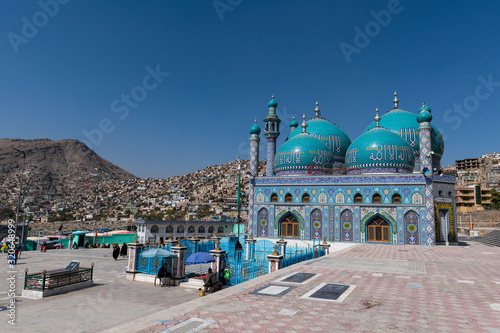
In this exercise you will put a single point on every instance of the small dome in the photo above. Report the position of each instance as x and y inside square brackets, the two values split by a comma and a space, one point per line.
[330, 134]
[379, 151]
[293, 123]
[303, 154]
[424, 116]
[425, 107]
[255, 129]
[272, 103]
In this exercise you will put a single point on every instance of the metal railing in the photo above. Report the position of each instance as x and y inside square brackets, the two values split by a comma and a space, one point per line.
[56, 278]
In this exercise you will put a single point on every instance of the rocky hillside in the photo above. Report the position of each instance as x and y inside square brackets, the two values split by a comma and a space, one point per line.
[54, 164]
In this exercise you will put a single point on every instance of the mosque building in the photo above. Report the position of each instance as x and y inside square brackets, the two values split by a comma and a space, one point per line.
[384, 187]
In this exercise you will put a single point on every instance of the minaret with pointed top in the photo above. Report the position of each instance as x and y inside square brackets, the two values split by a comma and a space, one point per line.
[396, 100]
[424, 118]
[271, 131]
[254, 149]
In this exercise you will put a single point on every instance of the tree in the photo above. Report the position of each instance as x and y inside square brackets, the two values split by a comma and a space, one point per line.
[7, 213]
[495, 199]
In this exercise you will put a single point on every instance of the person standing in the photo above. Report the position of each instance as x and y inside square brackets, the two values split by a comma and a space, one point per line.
[123, 250]
[116, 252]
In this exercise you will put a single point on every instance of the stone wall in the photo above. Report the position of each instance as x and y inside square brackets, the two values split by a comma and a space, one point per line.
[481, 219]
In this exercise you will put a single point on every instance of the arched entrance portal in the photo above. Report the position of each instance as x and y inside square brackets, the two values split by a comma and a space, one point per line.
[289, 226]
[378, 230]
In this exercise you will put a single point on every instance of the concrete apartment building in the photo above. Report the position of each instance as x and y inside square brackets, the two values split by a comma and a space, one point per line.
[476, 177]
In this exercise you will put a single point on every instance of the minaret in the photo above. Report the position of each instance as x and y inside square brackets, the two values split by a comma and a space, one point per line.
[271, 131]
[254, 149]
[424, 118]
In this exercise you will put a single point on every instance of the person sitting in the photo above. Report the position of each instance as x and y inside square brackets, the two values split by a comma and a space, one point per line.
[210, 281]
[163, 274]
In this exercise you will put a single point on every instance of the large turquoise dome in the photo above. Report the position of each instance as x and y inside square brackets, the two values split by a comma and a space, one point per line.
[379, 150]
[303, 154]
[330, 134]
[405, 124]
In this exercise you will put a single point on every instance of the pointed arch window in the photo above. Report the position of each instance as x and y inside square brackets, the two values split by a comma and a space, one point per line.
[306, 198]
[289, 226]
[358, 198]
[376, 198]
[379, 230]
[288, 198]
[274, 197]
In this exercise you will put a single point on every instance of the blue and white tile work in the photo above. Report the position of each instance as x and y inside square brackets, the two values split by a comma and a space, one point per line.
[414, 206]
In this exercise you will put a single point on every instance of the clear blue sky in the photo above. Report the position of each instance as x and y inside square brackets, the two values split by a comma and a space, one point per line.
[69, 76]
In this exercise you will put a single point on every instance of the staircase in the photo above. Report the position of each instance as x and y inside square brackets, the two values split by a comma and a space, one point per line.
[490, 239]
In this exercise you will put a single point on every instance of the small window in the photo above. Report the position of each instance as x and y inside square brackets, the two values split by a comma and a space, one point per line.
[440, 193]
[201, 230]
[450, 194]
[220, 230]
[274, 197]
[211, 229]
[358, 198]
[396, 198]
[288, 198]
[170, 230]
[306, 198]
[376, 198]
[191, 229]
[180, 229]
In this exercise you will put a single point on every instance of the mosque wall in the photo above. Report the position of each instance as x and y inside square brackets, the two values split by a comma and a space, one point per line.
[332, 212]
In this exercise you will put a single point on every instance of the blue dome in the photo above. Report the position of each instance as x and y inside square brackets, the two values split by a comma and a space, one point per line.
[424, 116]
[272, 103]
[293, 123]
[330, 134]
[255, 129]
[379, 150]
[405, 124]
[303, 154]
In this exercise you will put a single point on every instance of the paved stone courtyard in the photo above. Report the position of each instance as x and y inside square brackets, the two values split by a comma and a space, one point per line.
[392, 288]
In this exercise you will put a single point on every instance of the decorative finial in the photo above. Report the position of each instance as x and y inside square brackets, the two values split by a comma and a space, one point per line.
[256, 120]
[396, 100]
[377, 117]
[272, 96]
[304, 124]
[317, 110]
[275, 253]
